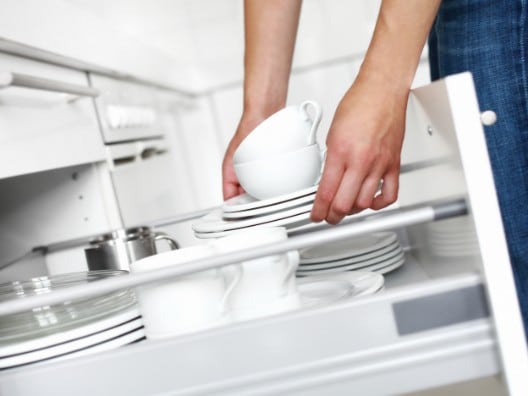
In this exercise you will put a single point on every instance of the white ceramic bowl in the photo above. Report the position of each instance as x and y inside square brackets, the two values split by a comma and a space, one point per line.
[282, 173]
[288, 129]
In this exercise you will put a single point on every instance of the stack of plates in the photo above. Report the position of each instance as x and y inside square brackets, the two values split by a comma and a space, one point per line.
[455, 237]
[377, 252]
[70, 329]
[290, 211]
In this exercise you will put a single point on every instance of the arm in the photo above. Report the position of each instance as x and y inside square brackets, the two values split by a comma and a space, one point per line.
[270, 31]
[366, 135]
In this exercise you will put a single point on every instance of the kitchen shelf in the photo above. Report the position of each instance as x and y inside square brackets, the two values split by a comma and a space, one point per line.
[349, 344]
[439, 321]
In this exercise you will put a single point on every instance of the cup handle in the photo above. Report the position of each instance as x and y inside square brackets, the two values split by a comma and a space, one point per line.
[316, 120]
[323, 159]
[158, 236]
[293, 261]
[239, 271]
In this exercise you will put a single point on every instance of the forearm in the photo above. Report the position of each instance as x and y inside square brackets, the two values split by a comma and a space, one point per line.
[270, 32]
[397, 43]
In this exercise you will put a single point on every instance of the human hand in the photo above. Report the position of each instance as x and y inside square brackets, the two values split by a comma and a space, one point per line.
[363, 148]
[230, 184]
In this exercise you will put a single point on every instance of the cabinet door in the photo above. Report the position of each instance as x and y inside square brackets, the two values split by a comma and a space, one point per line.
[42, 128]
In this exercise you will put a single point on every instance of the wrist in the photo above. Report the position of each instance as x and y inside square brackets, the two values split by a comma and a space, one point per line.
[396, 83]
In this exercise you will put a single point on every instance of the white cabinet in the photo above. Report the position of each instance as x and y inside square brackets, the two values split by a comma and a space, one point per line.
[42, 129]
[127, 110]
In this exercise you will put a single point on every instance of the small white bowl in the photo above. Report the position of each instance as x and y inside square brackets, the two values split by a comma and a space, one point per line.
[282, 173]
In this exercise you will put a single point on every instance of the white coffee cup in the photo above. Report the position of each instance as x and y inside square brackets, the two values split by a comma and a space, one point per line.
[281, 173]
[267, 285]
[288, 129]
[187, 303]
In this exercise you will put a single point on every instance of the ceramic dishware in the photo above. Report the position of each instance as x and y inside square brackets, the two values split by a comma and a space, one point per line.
[288, 129]
[281, 173]
[187, 303]
[267, 285]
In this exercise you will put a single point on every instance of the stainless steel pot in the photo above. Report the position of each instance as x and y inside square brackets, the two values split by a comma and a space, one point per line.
[116, 250]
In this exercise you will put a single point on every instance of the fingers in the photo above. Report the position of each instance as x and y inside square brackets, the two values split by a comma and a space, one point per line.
[343, 202]
[389, 190]
[230, 190]
[330, 181]
[230, 185]
[343, 192]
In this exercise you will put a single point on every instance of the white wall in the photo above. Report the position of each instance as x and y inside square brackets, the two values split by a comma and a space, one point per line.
[197, 45]
[192, 44]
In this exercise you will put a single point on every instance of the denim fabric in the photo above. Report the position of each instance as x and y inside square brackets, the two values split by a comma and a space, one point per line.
[489, 38]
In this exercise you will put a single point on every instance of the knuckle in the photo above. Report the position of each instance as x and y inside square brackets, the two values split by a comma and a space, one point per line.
[340, 208]
[325, 196]
[363, 203]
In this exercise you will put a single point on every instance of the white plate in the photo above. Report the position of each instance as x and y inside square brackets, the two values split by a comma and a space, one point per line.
[76, 345]
[213, 222]
[270, 209]
[46, 341]
[348, 248]
[375, 267]
[455, 245]
[328, 288]
[245, 202]
[354, 259]
[354, 263]
[390, 268]
[456, 224]
[127, 339]
[292, 221]
[455, 252]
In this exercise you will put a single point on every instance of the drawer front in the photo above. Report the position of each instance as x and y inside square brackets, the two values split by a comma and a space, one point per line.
[42, 129]
[128, 110]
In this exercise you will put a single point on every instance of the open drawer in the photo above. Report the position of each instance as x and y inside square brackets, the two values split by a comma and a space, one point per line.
[47, 117]
[440, 320]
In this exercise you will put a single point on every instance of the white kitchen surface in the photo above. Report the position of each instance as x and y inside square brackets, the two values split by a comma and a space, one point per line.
[195, 45]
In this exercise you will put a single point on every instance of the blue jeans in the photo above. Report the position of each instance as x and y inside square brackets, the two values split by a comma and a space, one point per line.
[490, 39]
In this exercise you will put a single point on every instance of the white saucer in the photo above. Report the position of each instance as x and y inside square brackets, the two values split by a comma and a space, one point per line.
[347, 248]
[354, 262]
[452, 252]
[354, 259]
[213, 222]
[398, 259]
[14, 346]
[390, 268]
[69, 347]
[328, 288]
[246, 202]
[269, 209]
[288, 222]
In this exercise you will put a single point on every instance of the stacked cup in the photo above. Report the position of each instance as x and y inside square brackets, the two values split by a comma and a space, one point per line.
[267, 285]
[215, 297]
[281, 155]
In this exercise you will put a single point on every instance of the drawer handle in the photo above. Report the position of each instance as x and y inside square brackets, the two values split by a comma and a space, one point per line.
[9, 79]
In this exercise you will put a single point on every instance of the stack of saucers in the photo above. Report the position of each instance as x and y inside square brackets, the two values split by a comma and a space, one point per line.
[73, 328]
[455, 237]
[377, 252]
[289, 210]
